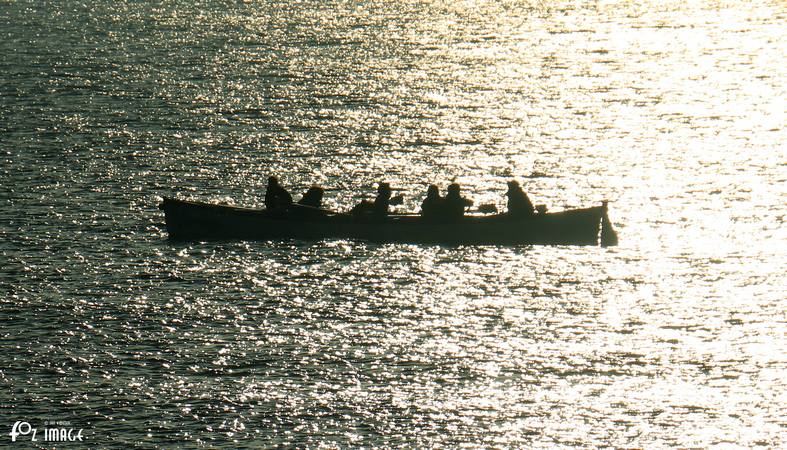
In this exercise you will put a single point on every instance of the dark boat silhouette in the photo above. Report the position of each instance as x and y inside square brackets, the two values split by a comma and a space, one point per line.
[190, 220]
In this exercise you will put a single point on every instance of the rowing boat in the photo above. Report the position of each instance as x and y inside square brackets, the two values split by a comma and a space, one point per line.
[191, 220]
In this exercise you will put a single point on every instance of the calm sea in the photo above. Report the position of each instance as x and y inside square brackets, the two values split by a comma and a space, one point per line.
[673, 110]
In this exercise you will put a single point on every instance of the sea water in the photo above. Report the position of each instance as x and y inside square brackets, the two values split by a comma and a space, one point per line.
[674, 111]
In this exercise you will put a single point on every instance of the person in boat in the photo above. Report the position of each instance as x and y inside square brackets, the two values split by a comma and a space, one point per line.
[364, 208]
[455, 204]
[519, 204]
[378, 208]
[276, 197]
[433, 205]
[382, 201]
[312, 197]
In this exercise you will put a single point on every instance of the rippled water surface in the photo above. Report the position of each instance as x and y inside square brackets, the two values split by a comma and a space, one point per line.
[675, 111]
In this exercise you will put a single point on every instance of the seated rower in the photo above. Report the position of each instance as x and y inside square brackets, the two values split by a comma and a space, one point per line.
[378, 208]
[383, 200]
[433, 205]
[519, 204]
[312, 197]
[454, 203]
[364, 208]
[276, 197]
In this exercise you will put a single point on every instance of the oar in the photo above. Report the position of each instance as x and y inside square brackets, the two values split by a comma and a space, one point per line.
[312, 208]
[488, 208]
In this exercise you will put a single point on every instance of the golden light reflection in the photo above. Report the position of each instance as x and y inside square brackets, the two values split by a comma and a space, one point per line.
[673, 111]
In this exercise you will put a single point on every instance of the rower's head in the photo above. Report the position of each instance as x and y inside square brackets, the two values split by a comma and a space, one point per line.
[432, 191]
[272, 180]
[384, 188]
[453, 188]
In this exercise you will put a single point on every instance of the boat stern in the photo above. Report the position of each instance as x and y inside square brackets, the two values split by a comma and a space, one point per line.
[608, 235]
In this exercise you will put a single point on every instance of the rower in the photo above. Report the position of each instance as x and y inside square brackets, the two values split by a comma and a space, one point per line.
[378, 208]
[454, 203]
[312, 197]
[519, 204]
[383, 200]
[433, 205]
[276, 197]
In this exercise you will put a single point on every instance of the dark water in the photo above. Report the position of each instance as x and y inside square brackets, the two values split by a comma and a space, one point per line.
[673, 110]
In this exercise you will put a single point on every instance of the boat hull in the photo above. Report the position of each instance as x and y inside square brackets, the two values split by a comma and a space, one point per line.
[187, 220]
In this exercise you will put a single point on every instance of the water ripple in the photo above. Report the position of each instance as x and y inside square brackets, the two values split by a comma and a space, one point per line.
[672, 110]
